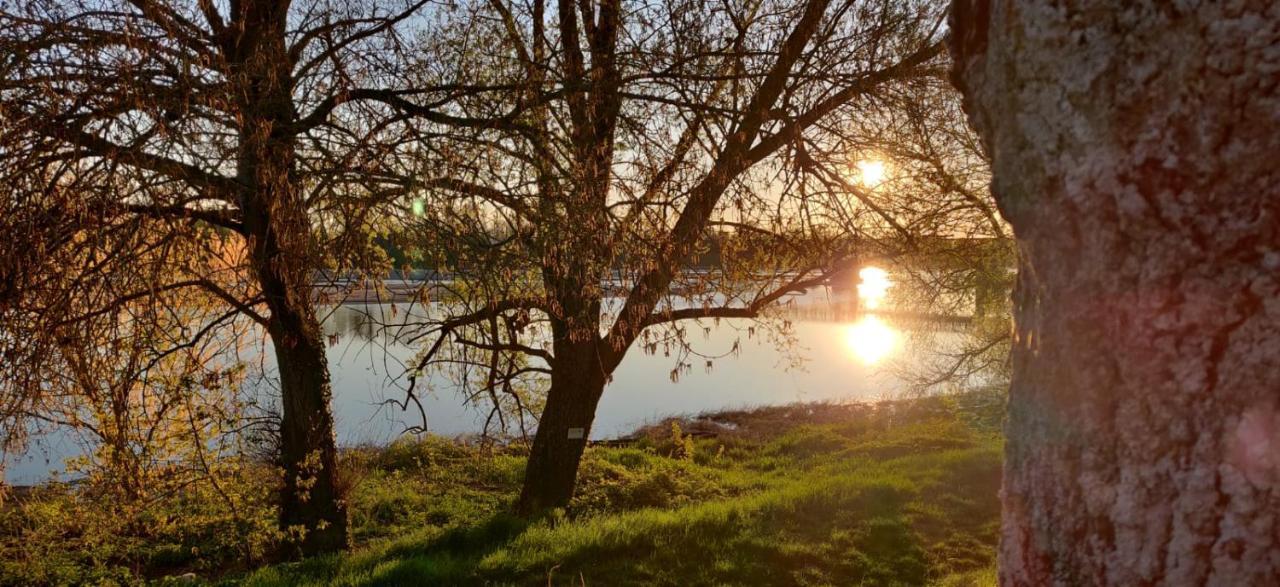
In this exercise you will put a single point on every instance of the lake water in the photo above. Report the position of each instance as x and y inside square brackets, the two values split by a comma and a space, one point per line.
[842, 357]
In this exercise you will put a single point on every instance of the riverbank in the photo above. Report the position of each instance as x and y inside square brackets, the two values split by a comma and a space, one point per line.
[898, 492]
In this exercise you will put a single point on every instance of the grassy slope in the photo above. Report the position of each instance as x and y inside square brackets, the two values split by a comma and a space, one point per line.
[803, 495]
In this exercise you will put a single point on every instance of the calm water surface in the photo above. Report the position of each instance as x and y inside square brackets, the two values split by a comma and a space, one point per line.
[842, 358]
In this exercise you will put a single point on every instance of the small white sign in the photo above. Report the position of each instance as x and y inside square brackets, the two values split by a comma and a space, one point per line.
[577, 433]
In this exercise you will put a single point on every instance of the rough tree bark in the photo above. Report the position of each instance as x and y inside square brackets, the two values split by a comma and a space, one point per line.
[1135, 154]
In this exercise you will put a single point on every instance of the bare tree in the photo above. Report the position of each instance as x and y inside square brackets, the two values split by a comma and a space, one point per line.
[1134, 149]
[634, 167]
[197, 121]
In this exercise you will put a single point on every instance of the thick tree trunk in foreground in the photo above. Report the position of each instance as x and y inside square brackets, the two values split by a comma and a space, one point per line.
[279, 230]
[310, 498]
[1136, 151]
[577, 382]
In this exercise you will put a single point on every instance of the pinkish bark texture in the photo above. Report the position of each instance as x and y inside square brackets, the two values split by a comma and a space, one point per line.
[1136, 150]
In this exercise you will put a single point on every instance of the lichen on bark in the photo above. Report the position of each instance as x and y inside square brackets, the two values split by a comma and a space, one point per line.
[1135, 153]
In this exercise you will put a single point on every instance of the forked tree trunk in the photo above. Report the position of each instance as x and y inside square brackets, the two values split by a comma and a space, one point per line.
[312, 509]
[577, 382]
[1136, 150]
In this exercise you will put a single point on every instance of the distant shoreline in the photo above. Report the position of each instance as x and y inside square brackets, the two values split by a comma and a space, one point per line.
[703, 425]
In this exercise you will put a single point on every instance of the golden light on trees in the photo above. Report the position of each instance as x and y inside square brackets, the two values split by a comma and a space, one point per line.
[612, 183]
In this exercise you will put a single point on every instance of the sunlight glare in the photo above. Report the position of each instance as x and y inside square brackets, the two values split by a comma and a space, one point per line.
[870, 339]
[871, 172]
[873, 285]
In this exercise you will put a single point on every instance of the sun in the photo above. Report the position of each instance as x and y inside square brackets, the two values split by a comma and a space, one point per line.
[871, 172]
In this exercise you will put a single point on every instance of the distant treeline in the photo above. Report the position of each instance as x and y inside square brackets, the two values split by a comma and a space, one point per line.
[408, 262]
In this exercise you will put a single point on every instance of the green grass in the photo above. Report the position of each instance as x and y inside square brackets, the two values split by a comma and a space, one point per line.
[901, 493]
[866, 497]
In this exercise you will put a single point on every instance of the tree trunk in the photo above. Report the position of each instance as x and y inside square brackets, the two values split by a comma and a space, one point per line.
[1135, 154]
[310, 499]
[312, 509]
[577, 382]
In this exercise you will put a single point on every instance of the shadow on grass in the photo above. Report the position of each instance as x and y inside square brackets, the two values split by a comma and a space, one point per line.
[849, 504]
[451, 557]
[444, 558]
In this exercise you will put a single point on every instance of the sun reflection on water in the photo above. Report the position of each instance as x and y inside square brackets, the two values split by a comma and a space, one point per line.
[870, 339]
[873, 285]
